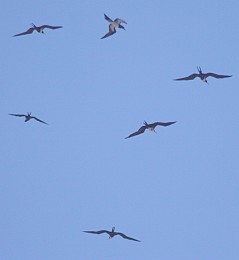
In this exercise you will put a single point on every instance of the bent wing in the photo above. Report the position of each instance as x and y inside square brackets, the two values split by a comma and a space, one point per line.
[39, 120]
[217, 76]
[111, 31]
[126, 237]
[140, 131]
[29, 31]
[193, 76]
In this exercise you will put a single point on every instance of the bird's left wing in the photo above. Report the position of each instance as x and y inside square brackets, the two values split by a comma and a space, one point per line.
[164, 124]
[126, 237]
[39, 120]
[51, 27]
[210, 74]
[120, 20]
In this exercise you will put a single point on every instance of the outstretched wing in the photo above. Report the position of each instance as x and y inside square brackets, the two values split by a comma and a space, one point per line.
[107, 18]
[140, 131]
[97, 232]
[16, 115]
[126, 237]
[111, 31]
[163, 124]
[39, 120]
[193, 76]
[51, 27]
[217, 76]
[29, 31]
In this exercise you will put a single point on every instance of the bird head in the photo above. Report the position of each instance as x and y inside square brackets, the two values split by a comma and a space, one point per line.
[205, 80]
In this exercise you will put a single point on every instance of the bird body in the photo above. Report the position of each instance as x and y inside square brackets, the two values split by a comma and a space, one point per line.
[28, 117]
[113, 25]
[39, 29]
[150, 127]
[111, 234]
[203, 76]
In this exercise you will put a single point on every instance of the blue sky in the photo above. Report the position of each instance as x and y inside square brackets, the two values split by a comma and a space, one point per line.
[177, 190]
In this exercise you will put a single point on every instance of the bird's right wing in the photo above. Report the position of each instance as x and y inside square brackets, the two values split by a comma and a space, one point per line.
[107, 18]
[16, 115]
[140, 131]
[193, 76]
[26, 32]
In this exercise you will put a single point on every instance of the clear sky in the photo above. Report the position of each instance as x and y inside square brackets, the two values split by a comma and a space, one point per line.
[177, 190]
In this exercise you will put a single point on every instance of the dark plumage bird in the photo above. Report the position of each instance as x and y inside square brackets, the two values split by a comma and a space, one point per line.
[111, 234]
[28, 117]
[203, 76]
[39, 29]
[113, 25]
[150, 127]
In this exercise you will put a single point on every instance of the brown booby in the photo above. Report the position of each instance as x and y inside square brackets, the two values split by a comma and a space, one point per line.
[113, 25]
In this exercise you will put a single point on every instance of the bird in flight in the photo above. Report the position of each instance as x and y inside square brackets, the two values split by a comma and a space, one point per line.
[150, 127]
[113, 25]
[203, 76]
[28, 117]
[39, 29]
[111, 234]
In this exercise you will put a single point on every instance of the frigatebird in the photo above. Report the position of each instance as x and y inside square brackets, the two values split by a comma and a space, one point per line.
[203, 76]
[39, 29]
[28, 117]
[113, 25]
[150, 127]
[111, 234]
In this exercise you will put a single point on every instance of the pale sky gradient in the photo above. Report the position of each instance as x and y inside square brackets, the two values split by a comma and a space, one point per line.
[178, 190]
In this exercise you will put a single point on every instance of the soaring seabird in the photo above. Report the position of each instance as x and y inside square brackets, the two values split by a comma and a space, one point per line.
[203, 76]
[111, 234]
[28, 117]
[150, 127]
[38, 29]
[113, 25]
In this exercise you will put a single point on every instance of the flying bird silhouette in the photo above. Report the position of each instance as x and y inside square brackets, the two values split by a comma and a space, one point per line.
[203, 76]
[113, 25]
[111, 234]
[150, 127]
[28, 117]
[39, 29]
